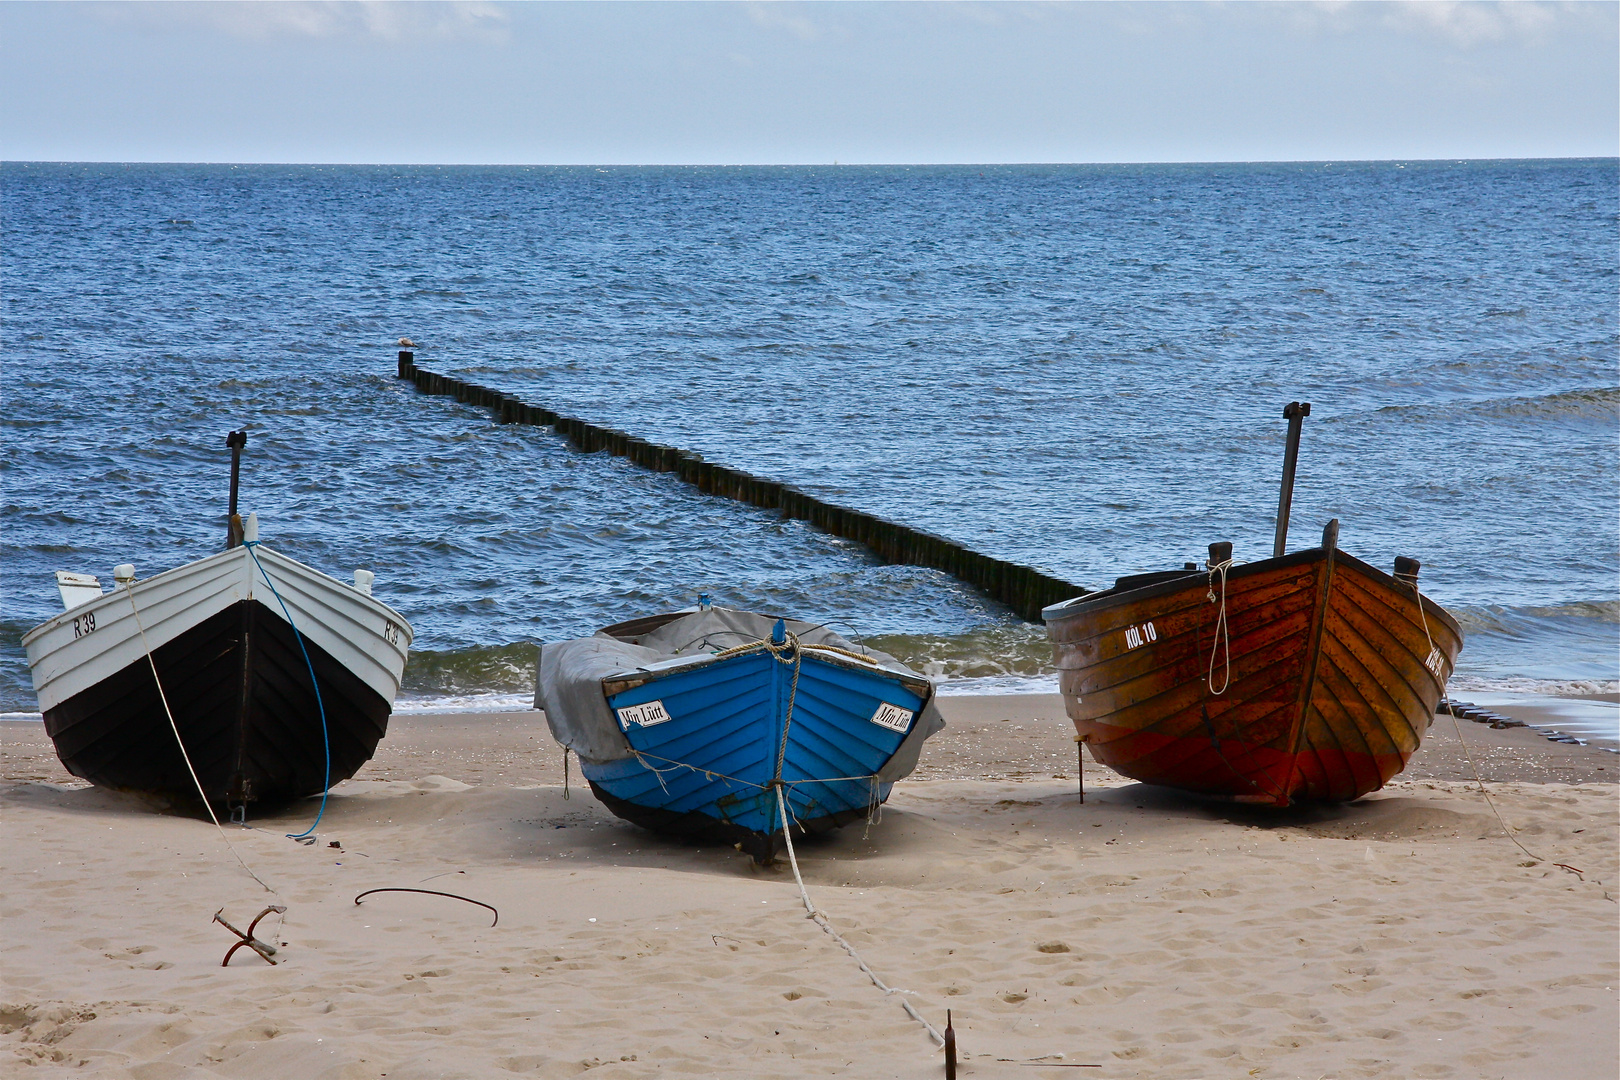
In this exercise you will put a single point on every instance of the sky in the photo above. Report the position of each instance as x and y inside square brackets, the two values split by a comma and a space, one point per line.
[798, 83]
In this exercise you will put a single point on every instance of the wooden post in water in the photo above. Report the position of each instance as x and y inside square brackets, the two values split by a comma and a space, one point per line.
[1021, 588]
[1295, 413]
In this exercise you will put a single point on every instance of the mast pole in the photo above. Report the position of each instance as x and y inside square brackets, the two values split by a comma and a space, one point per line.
[1295, 413]
[233, 535]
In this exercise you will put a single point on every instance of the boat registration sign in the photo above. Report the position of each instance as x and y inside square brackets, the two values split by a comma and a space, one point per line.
[892, 717]
[646, 715]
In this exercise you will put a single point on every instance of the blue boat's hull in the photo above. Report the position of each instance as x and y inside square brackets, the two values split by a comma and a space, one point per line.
[711, 739]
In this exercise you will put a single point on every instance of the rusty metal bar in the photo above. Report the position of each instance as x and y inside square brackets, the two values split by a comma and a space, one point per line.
[266, 951]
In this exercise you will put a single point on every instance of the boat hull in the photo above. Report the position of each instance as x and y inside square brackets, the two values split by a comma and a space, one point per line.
[234, 676]
[1333, 678]
[708, 771]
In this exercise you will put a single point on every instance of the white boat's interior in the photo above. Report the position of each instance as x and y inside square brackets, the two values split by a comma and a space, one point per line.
[98, 636]
[77, 589]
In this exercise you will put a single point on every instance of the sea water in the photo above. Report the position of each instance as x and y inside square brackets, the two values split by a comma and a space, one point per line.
[1081, 368]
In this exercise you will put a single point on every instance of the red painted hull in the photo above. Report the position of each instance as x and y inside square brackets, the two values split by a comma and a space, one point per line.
[1334, 674]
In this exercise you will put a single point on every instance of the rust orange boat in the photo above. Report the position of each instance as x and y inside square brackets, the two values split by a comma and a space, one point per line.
[1312, 676]
[1305, 676]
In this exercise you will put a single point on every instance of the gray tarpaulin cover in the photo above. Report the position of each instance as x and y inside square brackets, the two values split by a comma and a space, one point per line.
[569, 683]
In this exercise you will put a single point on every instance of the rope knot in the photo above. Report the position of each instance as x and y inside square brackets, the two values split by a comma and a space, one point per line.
[1222, 630]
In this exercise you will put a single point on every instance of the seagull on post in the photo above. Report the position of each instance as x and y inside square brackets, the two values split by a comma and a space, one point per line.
[406, 343]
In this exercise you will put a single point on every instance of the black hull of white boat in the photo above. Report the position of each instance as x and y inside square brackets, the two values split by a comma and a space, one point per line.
[241, 697]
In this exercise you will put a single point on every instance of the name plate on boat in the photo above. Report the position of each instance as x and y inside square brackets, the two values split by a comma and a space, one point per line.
[892, 717]
[646, 715]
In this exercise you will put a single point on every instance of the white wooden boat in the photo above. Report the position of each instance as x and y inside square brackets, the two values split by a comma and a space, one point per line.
[232, 669]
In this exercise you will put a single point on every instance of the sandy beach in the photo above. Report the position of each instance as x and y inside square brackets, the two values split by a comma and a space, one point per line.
[1139, 934]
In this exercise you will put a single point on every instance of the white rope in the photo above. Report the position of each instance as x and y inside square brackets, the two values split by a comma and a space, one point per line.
[874, 805]
[709, 774]
[821, 920]
[130, 592]
[1222, 631]
[790, 651]
[790, 654]
[787, 652]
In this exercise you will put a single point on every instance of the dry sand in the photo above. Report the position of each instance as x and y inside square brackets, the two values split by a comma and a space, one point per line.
[1143, 932]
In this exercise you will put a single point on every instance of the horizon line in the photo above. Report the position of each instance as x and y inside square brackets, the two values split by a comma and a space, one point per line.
[1447, 159]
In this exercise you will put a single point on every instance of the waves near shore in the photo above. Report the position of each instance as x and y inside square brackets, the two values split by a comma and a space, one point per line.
[1556, 650]
[1565, 649]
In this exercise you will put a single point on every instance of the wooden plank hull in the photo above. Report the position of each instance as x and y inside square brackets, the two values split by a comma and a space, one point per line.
[708, 771]
[233, 672]
[1320, 685]
[242, 700]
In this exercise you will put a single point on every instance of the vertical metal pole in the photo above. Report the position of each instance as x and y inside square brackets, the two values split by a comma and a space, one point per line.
[233, 535]
[1295, 414]
[1080, 765]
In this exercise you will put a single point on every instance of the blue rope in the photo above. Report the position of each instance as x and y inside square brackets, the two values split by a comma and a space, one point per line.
[326, 743]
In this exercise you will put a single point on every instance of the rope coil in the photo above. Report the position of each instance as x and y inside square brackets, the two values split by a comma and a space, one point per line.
[1222, 644]
[787, 653]
[1222, 630]
[774, 649]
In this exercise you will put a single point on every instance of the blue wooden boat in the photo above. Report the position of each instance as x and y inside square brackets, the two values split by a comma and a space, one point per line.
[715, 712]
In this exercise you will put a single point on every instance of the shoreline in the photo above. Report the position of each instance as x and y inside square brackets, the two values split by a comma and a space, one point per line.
[986, 737]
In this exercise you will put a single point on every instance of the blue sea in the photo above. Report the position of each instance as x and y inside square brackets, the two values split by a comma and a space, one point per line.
[1081, 368]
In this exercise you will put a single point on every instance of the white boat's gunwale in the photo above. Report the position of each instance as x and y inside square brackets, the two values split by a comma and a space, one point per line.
[176, 600]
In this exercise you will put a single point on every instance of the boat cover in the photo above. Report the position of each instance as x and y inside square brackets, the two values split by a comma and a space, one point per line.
[569, 684]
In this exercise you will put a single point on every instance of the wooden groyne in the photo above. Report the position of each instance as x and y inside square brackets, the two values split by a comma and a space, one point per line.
[1022, 588]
